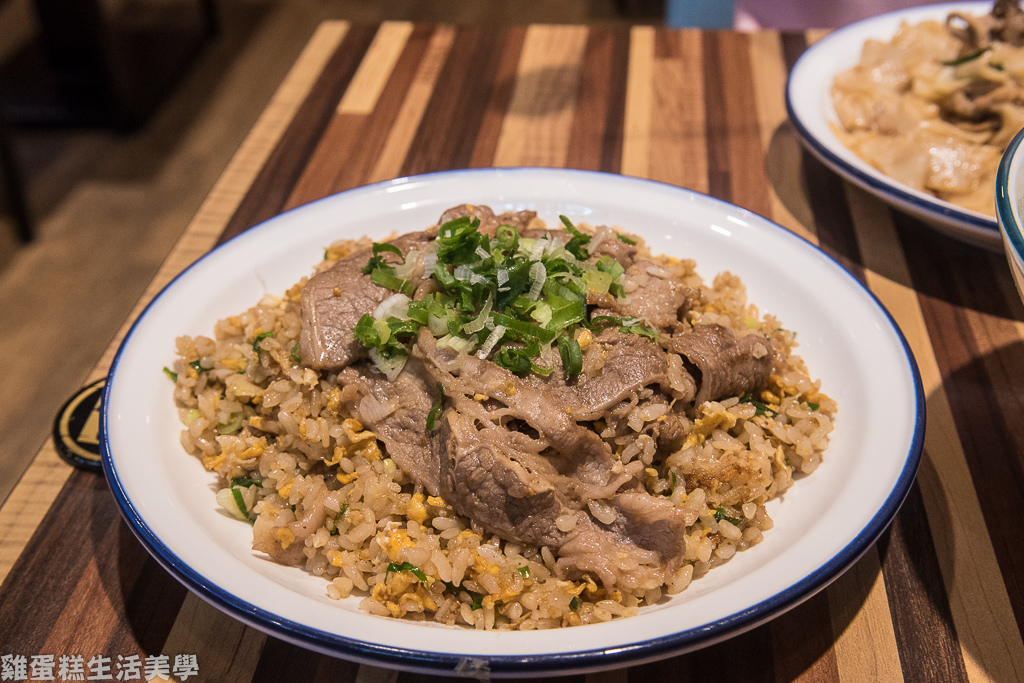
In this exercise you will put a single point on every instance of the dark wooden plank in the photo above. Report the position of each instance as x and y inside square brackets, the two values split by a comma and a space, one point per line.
[333, 670]
[281, 661]
[746, 657]
[793, 45]
[826, 193]
[447, 135]
[347, 152]
[499, 99]
[715, 116]
[47, 572]
[802, 640]
[595, 142]
[269, 192]
[921, 616]
[749, 181]
[152, 598]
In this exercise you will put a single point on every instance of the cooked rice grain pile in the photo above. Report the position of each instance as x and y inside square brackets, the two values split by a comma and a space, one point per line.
[286, 450]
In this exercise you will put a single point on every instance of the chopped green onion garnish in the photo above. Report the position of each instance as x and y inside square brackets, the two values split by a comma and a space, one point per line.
[722, 516]
[377, 261]
[171, 373]
[405, 567]
[572, 356]
[195, 365]
[813, 406]
[259, 337]
[236, 493]
[672, 483]
[436, 408]
[577, 246]
[575, 603]
[376, 334]
[295, 353]
[505, 297]
[233, 426]
[759, 408]
[513, 359]
[524, 571]
[628, 240]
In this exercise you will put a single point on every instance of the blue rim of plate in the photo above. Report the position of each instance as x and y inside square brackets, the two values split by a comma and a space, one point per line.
[1004, 202]
[984, 227]
[576, 662]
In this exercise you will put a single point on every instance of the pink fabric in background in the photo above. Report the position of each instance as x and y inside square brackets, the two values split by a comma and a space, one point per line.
[798, 15]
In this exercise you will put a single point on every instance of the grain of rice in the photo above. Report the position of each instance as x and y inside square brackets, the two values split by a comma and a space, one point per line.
[566, 522]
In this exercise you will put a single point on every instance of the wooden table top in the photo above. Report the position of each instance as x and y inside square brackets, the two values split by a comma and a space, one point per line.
[940, 597]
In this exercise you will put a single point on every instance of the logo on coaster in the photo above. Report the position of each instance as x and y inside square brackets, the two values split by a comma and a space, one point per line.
[76, 431]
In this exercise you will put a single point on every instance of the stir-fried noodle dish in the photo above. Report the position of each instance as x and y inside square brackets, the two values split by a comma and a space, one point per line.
[501, 424]
[935, 107]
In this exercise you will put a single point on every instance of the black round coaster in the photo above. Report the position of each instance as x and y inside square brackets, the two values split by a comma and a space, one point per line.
[76, 431]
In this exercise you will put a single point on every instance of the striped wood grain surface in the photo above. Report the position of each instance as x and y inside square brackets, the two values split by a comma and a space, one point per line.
[939, 598]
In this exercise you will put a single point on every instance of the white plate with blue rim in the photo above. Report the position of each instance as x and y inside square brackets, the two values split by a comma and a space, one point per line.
[822, 525]
[810, 108]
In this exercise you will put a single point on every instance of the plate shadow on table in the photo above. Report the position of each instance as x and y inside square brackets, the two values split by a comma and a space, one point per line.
[816, 197]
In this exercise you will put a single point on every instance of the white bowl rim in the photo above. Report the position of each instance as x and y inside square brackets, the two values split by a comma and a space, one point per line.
[1008, 205]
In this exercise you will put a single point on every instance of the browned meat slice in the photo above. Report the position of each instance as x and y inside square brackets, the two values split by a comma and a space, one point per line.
[555, 408]
[489, 480]
[616, 248]
[631, 363]
[670, 432]
[583, 454]
[659, 300]
[334, 300]
[654, 296]
[489, 221]
[407, 401]
[723, 364]
[482, 478]
[645, 537]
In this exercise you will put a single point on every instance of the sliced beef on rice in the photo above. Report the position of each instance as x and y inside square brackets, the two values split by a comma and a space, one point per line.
[654, 296]
[486, 478]
[489, 221]
[629, 363]
[519, 486]
[608, 243]
[334, 300]
[514, 493]
[722, 363]
[398, 415]
[578, 451]
[642, 544]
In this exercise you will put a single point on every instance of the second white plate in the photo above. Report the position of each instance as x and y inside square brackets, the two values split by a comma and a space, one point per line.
[809, 103]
